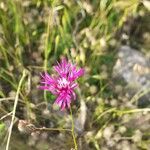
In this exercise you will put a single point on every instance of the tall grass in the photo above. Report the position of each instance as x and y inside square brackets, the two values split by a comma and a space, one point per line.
[34, 34]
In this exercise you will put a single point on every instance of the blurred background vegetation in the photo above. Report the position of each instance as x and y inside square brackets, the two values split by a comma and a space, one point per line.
[36, 33]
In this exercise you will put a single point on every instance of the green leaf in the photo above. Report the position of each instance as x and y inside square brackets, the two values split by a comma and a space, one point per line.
[2, 127]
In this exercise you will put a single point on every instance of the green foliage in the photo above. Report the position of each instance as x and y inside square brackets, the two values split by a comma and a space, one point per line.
[2, 130]
[35, 34]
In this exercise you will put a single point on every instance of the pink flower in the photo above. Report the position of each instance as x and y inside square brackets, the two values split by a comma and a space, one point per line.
[63, 84]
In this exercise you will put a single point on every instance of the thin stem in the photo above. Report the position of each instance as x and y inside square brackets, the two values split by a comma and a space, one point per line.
[25, 125]
[122, 112]
[46, 53]
[8, 114]
[14, 109]
[105, 112]
[133, 110]
[72, 130]
[53, 129]
[10, 99]
[137, 96]
[7, 98]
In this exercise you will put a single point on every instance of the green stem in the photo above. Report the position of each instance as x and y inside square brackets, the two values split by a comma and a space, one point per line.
[46, 53]
[121, 112]
[53, 129]
[14, 109]
[72, 130]
[133, 110]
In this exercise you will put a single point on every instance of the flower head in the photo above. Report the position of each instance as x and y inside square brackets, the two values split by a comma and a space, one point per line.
[63, 84]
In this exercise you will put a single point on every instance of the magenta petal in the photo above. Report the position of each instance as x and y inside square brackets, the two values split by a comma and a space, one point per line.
[57, 69]
[60, 102]
[68, 101]
[63, 105]
[58, 99]
[74, 85]
[80, 72]
[43, 87]
[74, 95]
[64, 63]
[63, 84]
